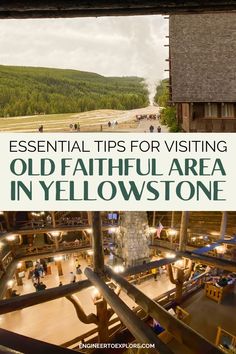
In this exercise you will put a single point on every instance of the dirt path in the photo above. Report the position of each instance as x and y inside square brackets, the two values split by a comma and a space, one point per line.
[144, 124]
[89, 121]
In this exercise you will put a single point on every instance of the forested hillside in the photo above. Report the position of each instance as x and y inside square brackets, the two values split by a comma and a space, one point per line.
[30, 90]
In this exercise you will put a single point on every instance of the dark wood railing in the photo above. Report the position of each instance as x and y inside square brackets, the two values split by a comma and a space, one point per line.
[166, 300]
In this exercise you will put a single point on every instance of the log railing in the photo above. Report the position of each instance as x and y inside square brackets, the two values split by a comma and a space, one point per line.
[166, 300]
[64, 246]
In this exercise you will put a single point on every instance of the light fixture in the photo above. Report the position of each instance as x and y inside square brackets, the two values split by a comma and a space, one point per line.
[227, 237]
[55, 236]
[152, 229]
[170, 255]
[193, 238]
[89, 231]
[215, 233]
[172, 232]
[119, 268]
[11, 238]
[1, 212]
[55, 233]
[58, 258]
[220, 249]
[10, 283]
[90, 252]
[201, 237]
[19, 265]
[112, 230]
[208, 245]
[96, 295]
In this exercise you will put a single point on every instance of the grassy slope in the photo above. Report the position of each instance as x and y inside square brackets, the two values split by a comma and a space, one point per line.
[30, 90]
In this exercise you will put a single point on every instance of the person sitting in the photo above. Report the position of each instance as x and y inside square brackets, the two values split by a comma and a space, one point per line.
[41, 286]
[222, 282]
[157, 327]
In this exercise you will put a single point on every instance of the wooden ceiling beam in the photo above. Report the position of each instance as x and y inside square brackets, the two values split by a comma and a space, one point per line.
[95, 8]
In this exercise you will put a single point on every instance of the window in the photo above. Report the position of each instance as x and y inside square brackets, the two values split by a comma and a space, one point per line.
[212, 110]
[228, 110]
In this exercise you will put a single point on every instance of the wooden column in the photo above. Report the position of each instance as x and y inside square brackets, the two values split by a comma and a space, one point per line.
[53, 219]
[154, 219]
[98, 256]
[140, 330]
[172, 219]
[9, 293]
[59, 268]
[90, 220]
[5, 214]
[103, 319]
[223, 225]
[56, 242]
[183, 231]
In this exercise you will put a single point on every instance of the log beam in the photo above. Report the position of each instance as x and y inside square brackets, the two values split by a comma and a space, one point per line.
[95, 8]
[140, 330]
[183, 333]
[98, 256]
[21, 302]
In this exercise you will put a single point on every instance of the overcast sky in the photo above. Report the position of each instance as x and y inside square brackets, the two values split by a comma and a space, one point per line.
[111, 46]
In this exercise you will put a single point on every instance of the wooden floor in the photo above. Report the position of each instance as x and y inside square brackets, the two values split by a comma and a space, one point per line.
[56, 321]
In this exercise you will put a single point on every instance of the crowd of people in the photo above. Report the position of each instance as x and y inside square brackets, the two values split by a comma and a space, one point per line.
[41, 270]
[148, 116]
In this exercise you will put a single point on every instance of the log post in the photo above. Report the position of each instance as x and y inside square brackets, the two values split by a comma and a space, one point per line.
[98, 256]
[59, 268]
[172, 224]
[223, 225]
[53, 219]
[103, 320]
[182, 274]
[183, 231]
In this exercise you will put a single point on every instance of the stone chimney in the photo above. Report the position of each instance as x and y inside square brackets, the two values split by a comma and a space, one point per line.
[132, 238]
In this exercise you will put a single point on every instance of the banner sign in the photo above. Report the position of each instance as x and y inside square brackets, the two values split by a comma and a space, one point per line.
[98, 171]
